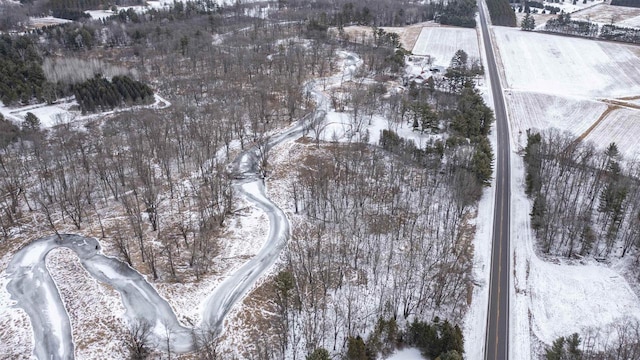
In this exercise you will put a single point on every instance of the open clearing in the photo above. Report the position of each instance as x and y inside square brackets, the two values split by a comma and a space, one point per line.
[408, 34]
[561, 65]
[441, 43]
[558, 294]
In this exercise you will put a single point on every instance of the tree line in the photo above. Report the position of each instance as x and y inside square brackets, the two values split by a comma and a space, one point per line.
[592, 344]
[563, 24]
[458, 13]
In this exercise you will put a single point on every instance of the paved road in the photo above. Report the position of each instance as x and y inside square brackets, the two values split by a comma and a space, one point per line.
[497, 342]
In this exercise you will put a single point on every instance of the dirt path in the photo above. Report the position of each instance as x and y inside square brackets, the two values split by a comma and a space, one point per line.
[610, 108]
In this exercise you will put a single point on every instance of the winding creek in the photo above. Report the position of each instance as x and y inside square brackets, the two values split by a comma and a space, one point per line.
[34, 290]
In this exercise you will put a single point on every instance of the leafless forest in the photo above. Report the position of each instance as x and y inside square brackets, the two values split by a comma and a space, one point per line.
[380, 233]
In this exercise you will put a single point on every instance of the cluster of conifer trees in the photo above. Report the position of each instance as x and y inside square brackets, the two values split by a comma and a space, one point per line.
[21, 76]
[436, 340]
[565, 25]
[501, 13]
[100, 94]
[459, 13]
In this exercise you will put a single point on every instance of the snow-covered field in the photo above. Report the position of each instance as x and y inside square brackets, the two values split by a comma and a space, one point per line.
[542, 111]
[621, 126]
[562, 82]
[441, 43]
[566, 66]
[607, 14]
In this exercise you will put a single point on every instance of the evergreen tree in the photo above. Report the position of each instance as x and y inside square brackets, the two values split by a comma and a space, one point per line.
[482, 163]
[573, 344]
[556, 351]
[450, 355]
[319, 354]
[356, 349]
[31, 123]
[8, 132]
[528, 22]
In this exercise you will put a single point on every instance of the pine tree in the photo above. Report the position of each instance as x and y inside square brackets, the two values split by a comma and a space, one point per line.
[31, 123]
[528, 22]
[319, 354]
[356, 350]
[573, 344]
[556, 351]
[450, 355]
[482, 162]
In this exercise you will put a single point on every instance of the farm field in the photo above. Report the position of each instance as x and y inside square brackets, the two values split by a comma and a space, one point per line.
[606, 14]
[564, 66]
[441, 43]
[621, 126]
[542, 111]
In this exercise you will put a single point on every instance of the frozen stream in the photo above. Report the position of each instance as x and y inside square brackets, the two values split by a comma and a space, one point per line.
[35, 291]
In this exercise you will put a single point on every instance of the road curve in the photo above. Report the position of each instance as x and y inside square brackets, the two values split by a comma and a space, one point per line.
[34, 290]
[497, 341]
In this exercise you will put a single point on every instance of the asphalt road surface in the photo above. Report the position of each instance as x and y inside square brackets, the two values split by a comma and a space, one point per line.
[497, 342]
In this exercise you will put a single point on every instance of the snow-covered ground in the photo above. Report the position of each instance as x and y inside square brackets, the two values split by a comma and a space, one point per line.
[621, 126]
[441, 43]
[564, 66]
[65, 111]
[39, 22]
[529, 110]
[562, 82]
[406, 354]
[164, 4]
[607, 14]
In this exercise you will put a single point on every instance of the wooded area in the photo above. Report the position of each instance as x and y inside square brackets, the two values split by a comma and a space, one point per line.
[585, 202]
[21, 76]
[502, 14]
